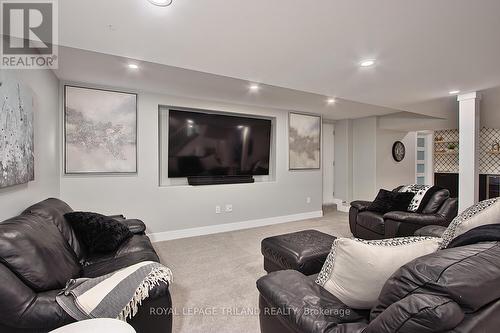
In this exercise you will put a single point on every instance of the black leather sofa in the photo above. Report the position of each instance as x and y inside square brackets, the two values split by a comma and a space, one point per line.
[39, 253]
[440, 211]
[453, 290]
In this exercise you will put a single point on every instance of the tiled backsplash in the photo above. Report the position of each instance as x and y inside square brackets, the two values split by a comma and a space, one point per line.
[446, 160]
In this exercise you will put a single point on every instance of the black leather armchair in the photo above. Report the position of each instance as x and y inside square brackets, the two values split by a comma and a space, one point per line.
[439, 211]
[39, 252]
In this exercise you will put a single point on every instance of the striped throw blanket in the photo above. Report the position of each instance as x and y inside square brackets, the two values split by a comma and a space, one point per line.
[115, 295]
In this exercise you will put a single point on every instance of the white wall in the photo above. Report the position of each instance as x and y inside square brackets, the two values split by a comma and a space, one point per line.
[490, 108]
[343, 160]
[327, 162]
[364, 158]
[391, 174]
[180, 207]
[45, 87]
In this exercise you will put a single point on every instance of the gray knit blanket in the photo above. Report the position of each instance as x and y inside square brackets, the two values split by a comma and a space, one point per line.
[115, 295]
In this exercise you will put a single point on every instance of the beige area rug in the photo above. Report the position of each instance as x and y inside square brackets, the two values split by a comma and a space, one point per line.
[214, 276]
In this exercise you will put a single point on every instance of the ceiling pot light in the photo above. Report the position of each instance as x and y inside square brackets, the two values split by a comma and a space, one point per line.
[330, 101]
[161, 3]
[133, 66]
[254, 87]
[454, 92]
[367, 63]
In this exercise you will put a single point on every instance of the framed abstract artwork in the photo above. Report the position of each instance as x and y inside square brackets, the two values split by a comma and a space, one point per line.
[100, 131]
[304, 141]
[17, 162]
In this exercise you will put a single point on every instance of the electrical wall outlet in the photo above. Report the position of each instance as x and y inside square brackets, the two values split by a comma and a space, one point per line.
[308, 200]
[218, 210]
[229, 208]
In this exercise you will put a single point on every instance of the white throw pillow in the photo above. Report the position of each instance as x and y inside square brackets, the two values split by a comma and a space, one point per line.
[356, 270]
[482, 213]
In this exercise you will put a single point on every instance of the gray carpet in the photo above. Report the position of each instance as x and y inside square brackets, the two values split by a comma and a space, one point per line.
[214, 275]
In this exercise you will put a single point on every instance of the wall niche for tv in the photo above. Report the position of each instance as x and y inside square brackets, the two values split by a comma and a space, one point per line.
[201, 147]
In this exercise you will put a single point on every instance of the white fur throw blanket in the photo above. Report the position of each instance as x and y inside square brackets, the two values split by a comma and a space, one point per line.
[115, 295]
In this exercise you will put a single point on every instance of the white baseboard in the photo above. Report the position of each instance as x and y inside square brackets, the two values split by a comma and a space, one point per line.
[342, 206]
[214, 229]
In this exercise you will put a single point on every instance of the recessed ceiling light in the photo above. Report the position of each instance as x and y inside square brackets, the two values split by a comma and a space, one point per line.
[133, 66]
[367, 63]
[254, 87]
[331, 101]
[161, 3]
[454, 92]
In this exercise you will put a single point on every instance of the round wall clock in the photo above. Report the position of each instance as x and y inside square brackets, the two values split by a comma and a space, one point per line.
[398, 151]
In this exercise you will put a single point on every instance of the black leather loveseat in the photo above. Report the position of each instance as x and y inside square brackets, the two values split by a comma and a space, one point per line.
[39, 253]
[454, 290]
[439, 210]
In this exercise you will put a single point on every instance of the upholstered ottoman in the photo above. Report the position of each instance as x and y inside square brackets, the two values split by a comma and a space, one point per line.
[303, 251]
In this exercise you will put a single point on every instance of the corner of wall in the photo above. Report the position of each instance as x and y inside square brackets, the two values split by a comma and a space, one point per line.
[45, 87]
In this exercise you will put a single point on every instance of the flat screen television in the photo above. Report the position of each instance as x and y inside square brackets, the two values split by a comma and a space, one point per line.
[206, 144]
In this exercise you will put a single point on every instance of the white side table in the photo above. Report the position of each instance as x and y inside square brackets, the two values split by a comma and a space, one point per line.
[100, 325]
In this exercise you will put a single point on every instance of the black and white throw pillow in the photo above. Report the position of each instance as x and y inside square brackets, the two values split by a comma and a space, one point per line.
[422, 195]
[482, 213]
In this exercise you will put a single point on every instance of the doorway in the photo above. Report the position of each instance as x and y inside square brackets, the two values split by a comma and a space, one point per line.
[424, 162]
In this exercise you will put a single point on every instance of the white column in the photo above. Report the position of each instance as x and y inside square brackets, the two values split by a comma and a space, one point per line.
[468, 180]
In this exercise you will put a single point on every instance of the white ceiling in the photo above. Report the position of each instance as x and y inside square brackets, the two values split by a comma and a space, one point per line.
[98, 69]
[424, 48]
